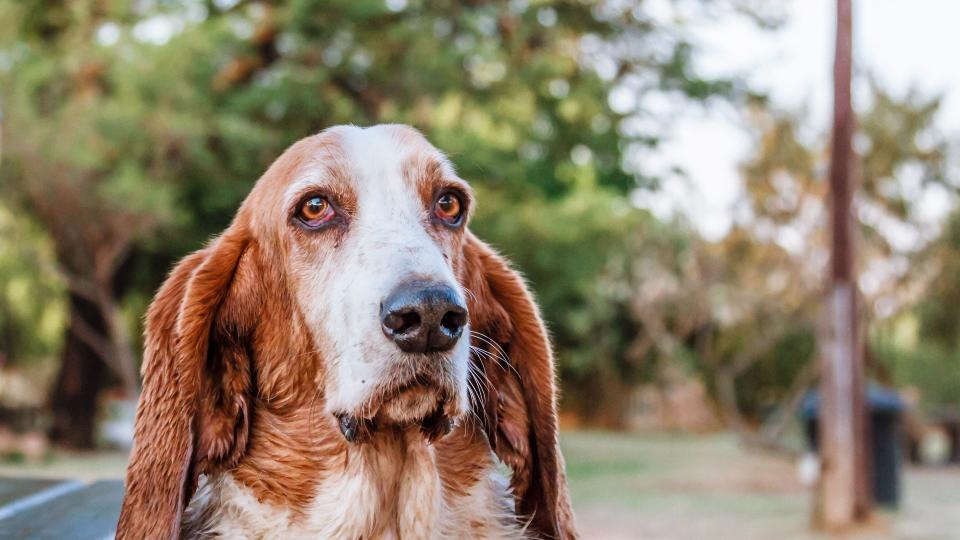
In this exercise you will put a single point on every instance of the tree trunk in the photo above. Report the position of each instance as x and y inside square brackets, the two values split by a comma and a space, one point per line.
[73, 398]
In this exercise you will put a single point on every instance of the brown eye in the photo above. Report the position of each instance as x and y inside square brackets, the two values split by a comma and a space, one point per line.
[449, 208]
[315, 211]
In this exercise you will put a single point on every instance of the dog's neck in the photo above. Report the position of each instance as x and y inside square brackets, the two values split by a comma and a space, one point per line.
[393, 485]
[300, 477]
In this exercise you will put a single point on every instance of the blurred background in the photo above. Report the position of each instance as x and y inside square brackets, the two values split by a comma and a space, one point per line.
[657, 169]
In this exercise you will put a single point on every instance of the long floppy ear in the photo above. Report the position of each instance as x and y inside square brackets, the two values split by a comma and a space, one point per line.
[520, 411]
[194, 409]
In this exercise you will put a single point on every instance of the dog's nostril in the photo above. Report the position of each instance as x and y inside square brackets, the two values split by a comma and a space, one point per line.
[453, 321]
[402, 323]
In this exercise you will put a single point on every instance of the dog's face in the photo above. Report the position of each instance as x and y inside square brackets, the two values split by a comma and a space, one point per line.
[372, 222]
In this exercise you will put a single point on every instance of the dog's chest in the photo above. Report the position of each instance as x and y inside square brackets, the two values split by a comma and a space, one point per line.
[378, 496]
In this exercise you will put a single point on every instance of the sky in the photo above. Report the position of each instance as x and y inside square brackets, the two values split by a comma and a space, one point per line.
[903, 43]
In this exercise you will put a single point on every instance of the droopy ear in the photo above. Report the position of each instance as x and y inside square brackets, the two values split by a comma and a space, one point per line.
[520, 411]
[194, 409]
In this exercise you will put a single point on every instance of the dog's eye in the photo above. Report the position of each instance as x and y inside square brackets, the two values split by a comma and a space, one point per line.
[449, 208]
[315, 211]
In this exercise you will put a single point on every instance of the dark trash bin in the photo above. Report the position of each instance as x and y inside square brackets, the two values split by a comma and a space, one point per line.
[885, 434]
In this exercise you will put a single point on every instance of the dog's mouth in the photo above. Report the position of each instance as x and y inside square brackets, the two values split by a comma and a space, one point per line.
[420, 402]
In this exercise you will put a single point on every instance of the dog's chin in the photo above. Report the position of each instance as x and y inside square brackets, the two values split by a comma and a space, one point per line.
[429, 408]
[410, 405]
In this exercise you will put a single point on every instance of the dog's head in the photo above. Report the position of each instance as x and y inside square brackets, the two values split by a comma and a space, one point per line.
[367, 229]
[348, 274]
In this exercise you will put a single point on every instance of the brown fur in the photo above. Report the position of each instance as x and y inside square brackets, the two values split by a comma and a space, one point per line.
[520, 413]
[231, 376]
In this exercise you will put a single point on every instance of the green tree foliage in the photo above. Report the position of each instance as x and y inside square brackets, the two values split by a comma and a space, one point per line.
[132, 131]
[938, 317]
[30, 292]
[921, 347]
[140, 126]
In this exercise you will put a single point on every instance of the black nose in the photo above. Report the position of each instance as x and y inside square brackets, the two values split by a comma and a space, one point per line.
[423, 317]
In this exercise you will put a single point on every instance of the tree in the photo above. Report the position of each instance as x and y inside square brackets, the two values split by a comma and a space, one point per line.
[779, 236]
[80, 167]
[154, 119]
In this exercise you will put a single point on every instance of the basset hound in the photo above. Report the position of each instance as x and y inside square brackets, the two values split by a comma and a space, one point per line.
[347, 360]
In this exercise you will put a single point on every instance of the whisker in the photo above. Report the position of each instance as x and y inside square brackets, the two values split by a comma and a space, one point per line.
[476, 385]
[502, 357]
[488, 340]
[470, 294]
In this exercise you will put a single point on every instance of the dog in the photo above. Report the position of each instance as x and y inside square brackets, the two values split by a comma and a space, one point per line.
[347, 360]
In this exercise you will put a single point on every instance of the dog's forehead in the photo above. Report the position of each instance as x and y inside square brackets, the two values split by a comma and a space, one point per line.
[383, 154]
[376, 158]
[381, 149]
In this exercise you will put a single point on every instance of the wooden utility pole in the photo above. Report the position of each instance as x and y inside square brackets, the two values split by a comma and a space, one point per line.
[844, 497]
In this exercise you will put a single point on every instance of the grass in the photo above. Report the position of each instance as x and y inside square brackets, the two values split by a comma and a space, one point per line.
[681, 486]
[674, 486]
